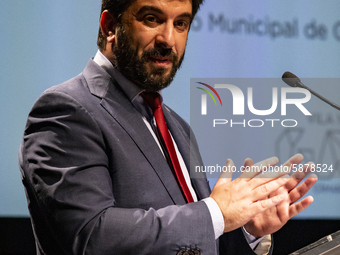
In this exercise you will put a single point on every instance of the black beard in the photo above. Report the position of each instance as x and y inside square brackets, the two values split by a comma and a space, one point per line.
[133, 67]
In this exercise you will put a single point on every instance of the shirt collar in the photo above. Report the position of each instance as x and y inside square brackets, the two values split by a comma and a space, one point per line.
[130, 89]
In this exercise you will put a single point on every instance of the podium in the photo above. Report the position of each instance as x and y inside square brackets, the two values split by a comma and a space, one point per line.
[328, 245]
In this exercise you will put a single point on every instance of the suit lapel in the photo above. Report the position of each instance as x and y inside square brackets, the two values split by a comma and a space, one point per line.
[121, 109]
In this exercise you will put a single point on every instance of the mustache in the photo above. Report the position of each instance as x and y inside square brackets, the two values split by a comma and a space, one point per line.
[160, 52]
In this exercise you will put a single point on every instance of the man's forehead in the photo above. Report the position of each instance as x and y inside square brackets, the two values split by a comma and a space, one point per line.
[138, 4]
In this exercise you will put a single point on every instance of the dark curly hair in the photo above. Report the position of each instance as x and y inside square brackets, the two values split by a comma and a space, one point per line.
[118, 7]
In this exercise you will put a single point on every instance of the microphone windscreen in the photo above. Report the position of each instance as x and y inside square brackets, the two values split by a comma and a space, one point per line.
[290, 79]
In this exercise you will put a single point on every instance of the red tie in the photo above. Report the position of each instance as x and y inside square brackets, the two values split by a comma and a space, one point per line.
[154, 101]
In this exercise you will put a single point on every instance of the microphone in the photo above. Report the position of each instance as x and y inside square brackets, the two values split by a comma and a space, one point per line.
[294, 81]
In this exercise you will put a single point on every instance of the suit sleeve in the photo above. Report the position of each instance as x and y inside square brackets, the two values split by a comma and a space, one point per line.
[64, 168]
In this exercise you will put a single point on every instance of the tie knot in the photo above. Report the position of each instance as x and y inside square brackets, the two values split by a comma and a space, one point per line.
[153, 99]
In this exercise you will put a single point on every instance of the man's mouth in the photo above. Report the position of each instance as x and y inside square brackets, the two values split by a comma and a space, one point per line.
[161, 61]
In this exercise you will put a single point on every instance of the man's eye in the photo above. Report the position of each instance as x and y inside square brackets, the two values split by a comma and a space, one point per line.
[181, 25]
[150, 19]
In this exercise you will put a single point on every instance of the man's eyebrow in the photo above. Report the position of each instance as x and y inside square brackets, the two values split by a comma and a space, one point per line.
[147, 8]
[186, 15]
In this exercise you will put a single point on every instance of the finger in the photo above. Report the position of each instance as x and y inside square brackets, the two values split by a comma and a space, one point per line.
[304, 170]
[268, 186]
[294, 160]
[248, 162]
[226, 174]
[299, 175]
[296, 208]
[265, 204]
[253, 170]
[298, 192]
[274, 172]
[286, 168]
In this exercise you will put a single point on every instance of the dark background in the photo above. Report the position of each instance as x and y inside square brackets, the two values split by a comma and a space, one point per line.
[16, 236]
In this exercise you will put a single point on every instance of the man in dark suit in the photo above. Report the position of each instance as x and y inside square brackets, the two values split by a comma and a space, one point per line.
[98, 173]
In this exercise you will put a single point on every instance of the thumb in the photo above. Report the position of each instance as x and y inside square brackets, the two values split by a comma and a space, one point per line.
[227, 173]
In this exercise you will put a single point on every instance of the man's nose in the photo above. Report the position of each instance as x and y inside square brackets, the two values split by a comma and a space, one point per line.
[166, 35]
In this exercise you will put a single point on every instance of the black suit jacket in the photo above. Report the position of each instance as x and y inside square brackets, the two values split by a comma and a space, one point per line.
[96, 181]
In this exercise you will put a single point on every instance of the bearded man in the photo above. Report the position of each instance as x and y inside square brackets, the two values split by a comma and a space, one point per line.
[106, 165]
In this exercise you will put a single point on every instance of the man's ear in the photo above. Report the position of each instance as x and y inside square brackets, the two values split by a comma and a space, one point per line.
[108, 26]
